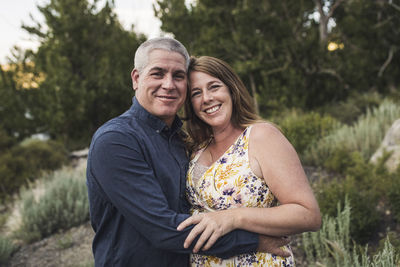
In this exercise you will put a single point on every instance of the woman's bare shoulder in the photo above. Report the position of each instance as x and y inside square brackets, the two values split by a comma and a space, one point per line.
[265, 129]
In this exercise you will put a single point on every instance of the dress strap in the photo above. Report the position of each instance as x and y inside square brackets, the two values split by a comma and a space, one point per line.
[197, 154]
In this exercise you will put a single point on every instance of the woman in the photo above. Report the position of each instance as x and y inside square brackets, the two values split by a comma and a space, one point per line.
[240, 168]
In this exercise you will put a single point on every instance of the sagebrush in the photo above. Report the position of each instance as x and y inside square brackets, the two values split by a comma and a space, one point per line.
[64, 204]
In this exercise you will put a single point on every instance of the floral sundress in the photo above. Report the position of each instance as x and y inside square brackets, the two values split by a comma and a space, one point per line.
[230, 183]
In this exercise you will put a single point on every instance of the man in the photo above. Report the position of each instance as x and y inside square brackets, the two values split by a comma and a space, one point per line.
[137, 167]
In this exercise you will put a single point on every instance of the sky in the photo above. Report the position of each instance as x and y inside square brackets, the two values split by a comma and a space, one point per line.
[15, 12]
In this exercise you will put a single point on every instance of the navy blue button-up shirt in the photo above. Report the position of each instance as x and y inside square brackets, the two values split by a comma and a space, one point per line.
[136, 182]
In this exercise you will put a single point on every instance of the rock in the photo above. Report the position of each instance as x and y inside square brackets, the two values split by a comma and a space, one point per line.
[391, 144]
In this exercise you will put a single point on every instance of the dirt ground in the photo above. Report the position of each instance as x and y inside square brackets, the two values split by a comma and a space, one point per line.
[70, 249]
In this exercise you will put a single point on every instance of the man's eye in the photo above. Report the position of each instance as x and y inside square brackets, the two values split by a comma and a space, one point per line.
[180, 76]
[156, 74]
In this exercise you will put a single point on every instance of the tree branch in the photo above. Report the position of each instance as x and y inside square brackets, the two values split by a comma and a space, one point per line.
[394, 6]
[387, 61]
[334, 74]
[332, 9]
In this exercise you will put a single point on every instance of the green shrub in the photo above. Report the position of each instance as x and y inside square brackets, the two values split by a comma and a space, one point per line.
[353, 107]
[6, 141]
[6, 249]
[63, 205]
[364, 136]
[330, 246]
[365, 217]
[305, 129]
[24, 162]
[394, 194]
[365, 185]
[43, 155]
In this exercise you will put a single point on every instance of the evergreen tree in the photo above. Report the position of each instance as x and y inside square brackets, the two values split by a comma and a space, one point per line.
[86, 57]
[280, 48]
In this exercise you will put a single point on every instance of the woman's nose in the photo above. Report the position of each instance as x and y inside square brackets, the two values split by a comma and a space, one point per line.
[207, 96]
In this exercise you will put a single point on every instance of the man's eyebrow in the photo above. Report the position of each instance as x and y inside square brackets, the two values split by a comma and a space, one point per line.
[157, 69]
[180, 71]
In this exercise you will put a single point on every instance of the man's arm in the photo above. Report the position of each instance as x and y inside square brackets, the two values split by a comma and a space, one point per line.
[118, 165]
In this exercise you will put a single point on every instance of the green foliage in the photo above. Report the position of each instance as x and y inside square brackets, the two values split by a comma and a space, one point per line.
[393, 238]
[6, 249]
[278, 48]
[24, 162]
[364, 184]
[394, 195]
[14, 119]
[349, 110]
[331, 245]
[302, 130]
[332, 239]
[368, 30]
[86, 57]
[365, 217]
[364, 136]
[63, 205]
[273, 45]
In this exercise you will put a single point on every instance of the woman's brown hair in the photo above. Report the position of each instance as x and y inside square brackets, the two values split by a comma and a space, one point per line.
[243, 112]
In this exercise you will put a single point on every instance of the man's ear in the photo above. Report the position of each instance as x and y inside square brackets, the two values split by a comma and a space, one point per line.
[135, 79]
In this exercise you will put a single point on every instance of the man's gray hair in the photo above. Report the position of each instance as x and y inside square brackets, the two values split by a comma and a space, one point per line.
[164, 43]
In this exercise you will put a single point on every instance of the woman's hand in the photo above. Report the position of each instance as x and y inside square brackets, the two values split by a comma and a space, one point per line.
[210, 226]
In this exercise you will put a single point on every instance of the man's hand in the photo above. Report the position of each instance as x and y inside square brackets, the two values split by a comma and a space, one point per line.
[273, 244]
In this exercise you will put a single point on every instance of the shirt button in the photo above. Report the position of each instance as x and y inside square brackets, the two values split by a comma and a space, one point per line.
[157, 131]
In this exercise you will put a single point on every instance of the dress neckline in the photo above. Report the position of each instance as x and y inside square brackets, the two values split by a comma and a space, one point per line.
[196, 158]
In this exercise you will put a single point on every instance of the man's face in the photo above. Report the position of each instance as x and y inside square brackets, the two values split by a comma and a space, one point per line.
[161, 87]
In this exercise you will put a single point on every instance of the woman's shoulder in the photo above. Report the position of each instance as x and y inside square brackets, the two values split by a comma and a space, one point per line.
[266, 137]
[265, 129]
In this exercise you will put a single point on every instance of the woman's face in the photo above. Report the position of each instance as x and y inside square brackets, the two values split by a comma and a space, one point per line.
[211, 99]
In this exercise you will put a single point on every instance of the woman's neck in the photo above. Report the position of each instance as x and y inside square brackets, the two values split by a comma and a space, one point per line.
[224, 137]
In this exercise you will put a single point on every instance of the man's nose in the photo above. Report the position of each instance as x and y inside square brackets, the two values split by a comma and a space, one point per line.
[168, 82]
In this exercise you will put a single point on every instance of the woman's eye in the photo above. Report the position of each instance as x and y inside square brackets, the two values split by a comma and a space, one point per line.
[195, 93]
[214, 86]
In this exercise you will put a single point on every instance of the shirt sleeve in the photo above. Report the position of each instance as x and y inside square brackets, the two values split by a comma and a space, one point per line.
[119, 167]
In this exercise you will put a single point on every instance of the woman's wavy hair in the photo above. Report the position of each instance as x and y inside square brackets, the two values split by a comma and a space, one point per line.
[243, 112]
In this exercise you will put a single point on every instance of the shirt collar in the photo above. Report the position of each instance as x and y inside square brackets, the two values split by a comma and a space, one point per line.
[154, 122]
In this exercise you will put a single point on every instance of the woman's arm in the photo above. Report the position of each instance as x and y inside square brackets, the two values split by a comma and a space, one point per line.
[274, 159]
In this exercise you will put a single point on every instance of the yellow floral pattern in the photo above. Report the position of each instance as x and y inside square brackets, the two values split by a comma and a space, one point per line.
[230, 183]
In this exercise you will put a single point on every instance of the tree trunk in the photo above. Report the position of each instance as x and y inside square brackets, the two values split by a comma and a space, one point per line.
[254, 93]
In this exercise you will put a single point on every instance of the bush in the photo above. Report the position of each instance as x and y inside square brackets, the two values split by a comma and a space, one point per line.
[6, 141]
[353, 107]
[24, 162]
[44, 155]
[365, 217]
[363, 183]
[303, 130]
[331, 245]
[394, 194]
[364, 136]
[366, 185]
[63, 205]
[6, 249]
